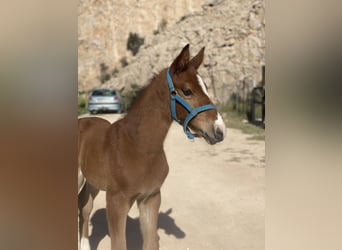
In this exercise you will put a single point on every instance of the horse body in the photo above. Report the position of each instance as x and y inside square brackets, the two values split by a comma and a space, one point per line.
[106, 149]
[126, 159]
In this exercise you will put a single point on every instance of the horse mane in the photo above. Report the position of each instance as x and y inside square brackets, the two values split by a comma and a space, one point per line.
[136, 93]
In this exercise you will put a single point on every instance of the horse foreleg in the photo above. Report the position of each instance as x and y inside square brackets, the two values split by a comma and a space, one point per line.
[85, 205]
[149, 210]
[117, 209]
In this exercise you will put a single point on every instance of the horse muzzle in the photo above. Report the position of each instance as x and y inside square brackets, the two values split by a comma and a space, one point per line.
[214, 137]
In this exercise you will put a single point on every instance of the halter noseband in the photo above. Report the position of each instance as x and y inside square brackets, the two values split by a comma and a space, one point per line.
[192, 111]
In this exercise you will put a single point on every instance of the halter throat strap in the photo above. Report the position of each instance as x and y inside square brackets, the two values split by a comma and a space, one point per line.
[193, 112]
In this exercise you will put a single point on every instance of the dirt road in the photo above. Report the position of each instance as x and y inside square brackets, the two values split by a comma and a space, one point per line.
[212, 199]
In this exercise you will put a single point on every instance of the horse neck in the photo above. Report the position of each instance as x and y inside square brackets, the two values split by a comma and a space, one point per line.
[149, 119]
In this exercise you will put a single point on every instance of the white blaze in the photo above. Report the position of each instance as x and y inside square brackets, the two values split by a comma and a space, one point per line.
[219, 121]
[220, 124]
[201, 83]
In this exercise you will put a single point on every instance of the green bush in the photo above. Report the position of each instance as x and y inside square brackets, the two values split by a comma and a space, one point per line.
[115, 72]
[237, 120]
[134, 42]
[130, 95]
[82, 105]
[123, 62]
[104, 75]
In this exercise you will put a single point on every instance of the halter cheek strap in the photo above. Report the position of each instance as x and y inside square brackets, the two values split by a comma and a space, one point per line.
[193, 112]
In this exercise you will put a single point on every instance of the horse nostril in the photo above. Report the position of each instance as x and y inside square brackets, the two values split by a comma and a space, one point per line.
[219, 134]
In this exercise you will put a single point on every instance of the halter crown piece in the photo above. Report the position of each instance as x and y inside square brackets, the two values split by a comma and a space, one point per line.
[193, 112]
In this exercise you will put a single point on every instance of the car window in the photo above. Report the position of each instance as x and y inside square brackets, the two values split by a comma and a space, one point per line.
[103, 92]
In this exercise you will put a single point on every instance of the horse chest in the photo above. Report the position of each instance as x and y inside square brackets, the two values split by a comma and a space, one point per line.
[151, 182]
[151, 176]
[139, 174]
[155, 178]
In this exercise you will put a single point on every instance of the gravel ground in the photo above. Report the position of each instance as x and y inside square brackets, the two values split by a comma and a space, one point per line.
[212, 199]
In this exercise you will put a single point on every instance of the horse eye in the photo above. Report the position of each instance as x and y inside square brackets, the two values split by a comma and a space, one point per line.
[187, 92]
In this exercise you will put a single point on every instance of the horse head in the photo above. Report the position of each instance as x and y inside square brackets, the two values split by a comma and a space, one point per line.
[192, 105]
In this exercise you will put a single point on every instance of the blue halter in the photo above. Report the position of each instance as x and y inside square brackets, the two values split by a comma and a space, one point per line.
[192, 111]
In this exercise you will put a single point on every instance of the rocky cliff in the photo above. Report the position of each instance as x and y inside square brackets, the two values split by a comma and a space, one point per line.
[233, 32]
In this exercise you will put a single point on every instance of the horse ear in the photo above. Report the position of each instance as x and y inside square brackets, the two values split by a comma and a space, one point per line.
[181, 61]
[168, 212]
[197, 60]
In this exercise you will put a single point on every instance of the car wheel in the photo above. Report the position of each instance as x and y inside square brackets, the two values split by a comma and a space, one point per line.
[93, 112]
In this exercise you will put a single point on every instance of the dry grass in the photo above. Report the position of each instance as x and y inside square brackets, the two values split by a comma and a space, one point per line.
[239, 121]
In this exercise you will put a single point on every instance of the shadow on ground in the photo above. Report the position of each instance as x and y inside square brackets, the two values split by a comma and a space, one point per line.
[133, 234]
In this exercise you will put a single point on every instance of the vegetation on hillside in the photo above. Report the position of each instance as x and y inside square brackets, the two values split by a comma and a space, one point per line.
[134, 42]
[82, 105]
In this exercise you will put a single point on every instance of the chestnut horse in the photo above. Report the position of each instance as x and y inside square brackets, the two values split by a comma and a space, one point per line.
[127, 160]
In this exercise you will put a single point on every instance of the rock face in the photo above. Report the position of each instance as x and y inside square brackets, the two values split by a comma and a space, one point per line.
[104, 27]
[233, 32]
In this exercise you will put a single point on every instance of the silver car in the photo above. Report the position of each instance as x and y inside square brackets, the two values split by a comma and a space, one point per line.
[105, 99]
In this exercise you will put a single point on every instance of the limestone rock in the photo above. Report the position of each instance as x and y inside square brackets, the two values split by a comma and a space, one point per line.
[233, 32]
